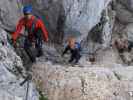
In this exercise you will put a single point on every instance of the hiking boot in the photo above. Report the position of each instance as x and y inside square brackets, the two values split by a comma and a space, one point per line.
[33, 59]
[76, 61]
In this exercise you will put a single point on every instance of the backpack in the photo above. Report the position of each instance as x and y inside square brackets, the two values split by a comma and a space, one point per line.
[43, 18]
[78, 46]
[37, 34]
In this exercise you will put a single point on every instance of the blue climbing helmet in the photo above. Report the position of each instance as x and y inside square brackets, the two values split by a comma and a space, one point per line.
[27, 9]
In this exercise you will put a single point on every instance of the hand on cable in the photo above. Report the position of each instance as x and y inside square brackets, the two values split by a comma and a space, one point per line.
[14, 44]
[33, 44]
[47, 40]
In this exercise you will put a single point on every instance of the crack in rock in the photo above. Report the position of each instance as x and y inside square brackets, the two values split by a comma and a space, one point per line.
[117, 76]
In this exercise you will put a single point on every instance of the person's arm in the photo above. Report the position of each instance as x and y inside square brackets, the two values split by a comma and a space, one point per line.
[65, 51]
[18, 30]
[44, 30]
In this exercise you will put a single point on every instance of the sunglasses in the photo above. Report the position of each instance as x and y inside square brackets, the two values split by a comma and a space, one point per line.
[25, 14]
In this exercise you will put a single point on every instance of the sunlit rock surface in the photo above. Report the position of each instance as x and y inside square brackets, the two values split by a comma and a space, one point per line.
[11, 78]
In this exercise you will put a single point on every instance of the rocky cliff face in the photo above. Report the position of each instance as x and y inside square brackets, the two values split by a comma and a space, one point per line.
[93, 22]
[75, 17]
[9, 13]
[11, 64]
[124, 15]
[10, 68]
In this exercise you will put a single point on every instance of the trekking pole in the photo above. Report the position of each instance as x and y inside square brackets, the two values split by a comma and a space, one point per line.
[29, 77]
[27, 90]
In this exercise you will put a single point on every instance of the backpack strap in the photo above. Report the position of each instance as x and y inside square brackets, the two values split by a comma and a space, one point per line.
[77, 45]
[32, 27]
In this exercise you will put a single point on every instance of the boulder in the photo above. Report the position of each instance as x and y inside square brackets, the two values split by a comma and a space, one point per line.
[94, 82]
[9, 13]
[123, 14]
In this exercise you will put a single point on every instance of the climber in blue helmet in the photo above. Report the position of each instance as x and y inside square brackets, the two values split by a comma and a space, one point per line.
[36, 30]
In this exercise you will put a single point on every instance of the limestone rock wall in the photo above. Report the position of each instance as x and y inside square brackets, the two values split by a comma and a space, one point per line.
[11, 72]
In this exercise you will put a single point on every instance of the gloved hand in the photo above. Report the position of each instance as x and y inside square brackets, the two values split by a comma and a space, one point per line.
[47, 40]
[33, 44]
[14, 43]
